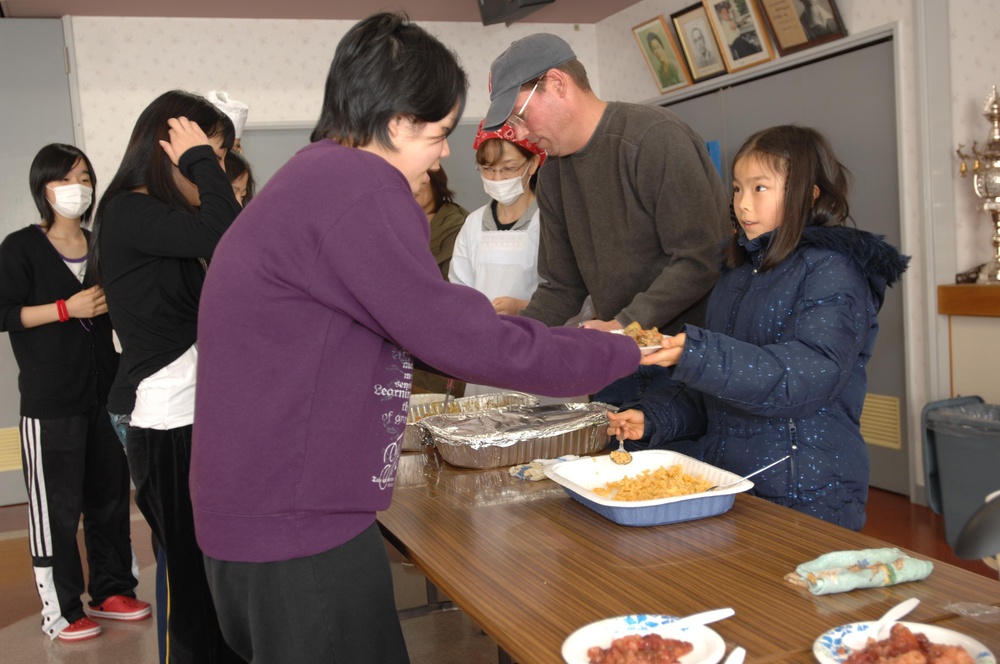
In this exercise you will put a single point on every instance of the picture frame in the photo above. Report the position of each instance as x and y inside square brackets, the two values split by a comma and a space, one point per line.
[661, 54]
[800, 24]
[740, 31]
[697, 38]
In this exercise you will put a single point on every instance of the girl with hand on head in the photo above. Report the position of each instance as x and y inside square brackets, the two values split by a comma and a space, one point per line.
[60, 332]
[159, 222]
[779, 368]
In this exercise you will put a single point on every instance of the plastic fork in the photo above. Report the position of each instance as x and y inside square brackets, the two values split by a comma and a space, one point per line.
[756, 472]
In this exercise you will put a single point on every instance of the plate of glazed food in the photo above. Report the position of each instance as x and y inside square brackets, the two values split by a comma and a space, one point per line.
[908, 641]
[601, 641]
[648, 340]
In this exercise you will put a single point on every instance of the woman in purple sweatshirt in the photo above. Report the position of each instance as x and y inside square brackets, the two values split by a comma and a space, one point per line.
[318, 299]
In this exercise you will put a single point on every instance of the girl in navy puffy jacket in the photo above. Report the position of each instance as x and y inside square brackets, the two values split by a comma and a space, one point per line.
[779, 368]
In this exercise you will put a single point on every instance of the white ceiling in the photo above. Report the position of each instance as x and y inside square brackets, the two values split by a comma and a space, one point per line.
[560, 11]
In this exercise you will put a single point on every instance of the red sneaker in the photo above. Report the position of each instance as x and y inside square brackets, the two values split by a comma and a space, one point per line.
[120, 607]
[81, 630]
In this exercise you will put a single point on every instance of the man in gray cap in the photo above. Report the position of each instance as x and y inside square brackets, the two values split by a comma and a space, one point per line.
[633, 211]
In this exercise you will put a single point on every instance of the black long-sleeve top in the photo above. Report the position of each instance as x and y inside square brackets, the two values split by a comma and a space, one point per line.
[150, 270]
[63, 368]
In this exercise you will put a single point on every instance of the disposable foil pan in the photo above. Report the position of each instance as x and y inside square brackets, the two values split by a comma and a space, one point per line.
[425, 405]
[518, 434]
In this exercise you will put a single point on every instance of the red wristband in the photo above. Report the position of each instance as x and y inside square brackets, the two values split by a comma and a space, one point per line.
[63, 311]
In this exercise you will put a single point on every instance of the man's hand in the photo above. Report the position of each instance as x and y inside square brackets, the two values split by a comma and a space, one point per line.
[605, 325]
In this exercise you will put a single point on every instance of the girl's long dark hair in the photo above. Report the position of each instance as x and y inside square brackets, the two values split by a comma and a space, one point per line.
[439, 188]
[146, 164]
[807, 160]
[236, 166]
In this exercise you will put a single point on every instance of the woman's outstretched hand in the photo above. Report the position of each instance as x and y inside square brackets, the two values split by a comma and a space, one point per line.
[184, 135]
[673, 347]
[627, 425]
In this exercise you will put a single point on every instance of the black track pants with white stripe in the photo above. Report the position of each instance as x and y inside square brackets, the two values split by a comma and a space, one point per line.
[72, 466]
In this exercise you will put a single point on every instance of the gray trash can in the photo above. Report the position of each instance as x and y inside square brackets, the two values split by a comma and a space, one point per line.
[961, 458]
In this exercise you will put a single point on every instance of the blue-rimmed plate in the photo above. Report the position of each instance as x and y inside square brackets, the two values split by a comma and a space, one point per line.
[708, 645]
[829, 648]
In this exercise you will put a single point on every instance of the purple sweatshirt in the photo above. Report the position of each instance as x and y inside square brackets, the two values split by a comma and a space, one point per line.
[315, 299]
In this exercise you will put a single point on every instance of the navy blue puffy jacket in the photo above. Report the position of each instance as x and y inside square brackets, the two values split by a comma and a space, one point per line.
[779, 368]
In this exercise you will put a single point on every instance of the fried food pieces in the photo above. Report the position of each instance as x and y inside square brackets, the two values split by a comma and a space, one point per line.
[664, 482]
[636, 649]
[905, 647]
[643, 337]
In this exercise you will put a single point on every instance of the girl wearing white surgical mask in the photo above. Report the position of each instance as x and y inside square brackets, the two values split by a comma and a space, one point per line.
[60, 332]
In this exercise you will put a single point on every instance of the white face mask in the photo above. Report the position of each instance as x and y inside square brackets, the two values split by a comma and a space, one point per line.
[505, 192]
[72, 200]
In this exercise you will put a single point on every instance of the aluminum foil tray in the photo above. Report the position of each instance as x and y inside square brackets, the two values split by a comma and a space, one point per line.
[424, 405]
[519, 434]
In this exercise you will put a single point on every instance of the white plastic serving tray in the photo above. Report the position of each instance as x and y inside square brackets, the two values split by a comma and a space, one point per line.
[580, 476]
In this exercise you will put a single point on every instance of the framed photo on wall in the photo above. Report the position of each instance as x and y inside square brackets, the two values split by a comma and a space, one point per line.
[697, 39]
[741, 33]
[661, 54]
[801, 24]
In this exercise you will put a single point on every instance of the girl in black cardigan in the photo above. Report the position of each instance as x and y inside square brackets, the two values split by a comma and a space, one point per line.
[61, 336]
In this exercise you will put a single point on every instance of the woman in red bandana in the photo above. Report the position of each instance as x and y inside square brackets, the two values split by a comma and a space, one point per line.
[496, 251]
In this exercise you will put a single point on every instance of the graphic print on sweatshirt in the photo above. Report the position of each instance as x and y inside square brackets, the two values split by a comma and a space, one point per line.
[393, 420]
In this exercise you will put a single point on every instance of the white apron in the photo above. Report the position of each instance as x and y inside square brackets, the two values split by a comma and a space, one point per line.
[498, 264]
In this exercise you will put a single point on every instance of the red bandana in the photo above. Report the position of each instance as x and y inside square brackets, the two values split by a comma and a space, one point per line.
[506, 133]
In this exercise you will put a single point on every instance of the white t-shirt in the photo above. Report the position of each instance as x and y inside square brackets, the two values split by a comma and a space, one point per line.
[165, 400]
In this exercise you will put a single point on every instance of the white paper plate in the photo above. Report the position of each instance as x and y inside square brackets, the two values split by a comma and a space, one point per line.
[646, 350]
[829, 647]
[708, 645]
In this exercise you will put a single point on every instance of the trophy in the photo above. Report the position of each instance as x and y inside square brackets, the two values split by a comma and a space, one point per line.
[986, 182]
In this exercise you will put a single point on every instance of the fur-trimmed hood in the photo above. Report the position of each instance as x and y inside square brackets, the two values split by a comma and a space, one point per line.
[881, 262]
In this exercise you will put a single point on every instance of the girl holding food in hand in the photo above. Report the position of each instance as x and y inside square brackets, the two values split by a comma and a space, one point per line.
[779, 368]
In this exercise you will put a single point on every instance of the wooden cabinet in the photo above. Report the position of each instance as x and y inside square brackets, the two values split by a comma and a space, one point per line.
[973, 312]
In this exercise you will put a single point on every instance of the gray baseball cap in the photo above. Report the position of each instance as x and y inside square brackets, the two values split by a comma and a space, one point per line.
[527, 58]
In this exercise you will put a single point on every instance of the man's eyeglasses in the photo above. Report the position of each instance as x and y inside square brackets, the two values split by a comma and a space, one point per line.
[516, 119]
[504, 173]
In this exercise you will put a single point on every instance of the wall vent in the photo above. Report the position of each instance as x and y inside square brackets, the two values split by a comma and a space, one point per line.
[880, 421]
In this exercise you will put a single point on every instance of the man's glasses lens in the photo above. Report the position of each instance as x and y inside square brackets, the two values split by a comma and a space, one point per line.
[516, 119]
